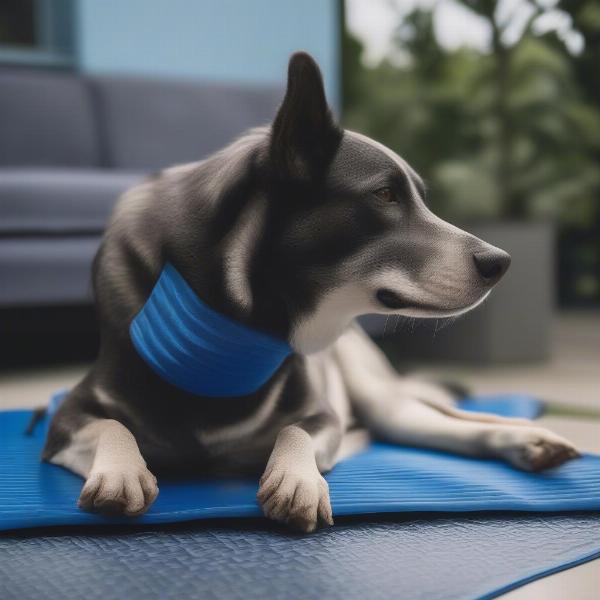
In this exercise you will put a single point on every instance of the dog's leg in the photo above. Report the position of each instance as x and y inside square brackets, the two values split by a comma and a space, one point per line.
[393, 411]
[292, 489]
[410, 421]
[105, 453]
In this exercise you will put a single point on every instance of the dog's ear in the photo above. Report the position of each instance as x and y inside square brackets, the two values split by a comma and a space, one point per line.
[304, 136]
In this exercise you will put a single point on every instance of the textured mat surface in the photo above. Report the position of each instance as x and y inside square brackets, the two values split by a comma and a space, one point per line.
[461, 557]
[381, 479]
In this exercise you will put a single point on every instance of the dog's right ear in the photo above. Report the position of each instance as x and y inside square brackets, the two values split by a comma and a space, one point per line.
[304, 136]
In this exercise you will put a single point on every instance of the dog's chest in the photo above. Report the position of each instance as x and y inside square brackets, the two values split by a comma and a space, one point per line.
[187, 428]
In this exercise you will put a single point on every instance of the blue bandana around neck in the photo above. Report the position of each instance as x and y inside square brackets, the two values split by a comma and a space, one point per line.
[198, 350]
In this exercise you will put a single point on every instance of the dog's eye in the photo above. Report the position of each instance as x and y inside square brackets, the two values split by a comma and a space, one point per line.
[386, 194]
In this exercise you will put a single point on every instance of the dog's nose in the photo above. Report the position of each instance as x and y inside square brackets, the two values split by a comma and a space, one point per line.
[492, 264]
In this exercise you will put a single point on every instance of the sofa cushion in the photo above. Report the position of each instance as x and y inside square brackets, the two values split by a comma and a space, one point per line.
[43, 271]
[150, 124]
[59, 201]
[46, 119]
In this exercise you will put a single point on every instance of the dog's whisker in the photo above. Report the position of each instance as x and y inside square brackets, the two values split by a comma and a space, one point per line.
[435, 328]
[386, 325]
[446, 321]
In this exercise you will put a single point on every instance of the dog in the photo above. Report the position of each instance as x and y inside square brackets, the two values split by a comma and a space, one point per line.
[291, 232]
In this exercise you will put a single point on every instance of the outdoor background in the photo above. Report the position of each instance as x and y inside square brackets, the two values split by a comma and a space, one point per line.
[497, 104]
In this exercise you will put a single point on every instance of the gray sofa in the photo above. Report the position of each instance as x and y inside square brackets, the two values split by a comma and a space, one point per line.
[69, 145]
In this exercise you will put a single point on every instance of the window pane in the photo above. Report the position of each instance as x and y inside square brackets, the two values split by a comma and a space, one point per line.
[17, 23]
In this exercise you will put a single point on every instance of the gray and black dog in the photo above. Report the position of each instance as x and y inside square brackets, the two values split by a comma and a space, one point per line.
[293, 230]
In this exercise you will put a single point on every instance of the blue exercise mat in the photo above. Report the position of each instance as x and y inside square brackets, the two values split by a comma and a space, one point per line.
[381, 479]
[464, 556]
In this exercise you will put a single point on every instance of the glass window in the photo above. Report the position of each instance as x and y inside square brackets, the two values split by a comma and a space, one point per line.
[36, 31]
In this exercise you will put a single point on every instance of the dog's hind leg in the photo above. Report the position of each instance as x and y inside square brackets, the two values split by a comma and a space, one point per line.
[409, 421]
[477, 417]
[104, 452]
[366, 370]
[396, 413]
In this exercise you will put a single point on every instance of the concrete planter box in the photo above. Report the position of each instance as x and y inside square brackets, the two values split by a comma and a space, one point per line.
[513, 325]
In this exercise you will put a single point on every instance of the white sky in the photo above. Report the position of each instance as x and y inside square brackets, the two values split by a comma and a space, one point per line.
[374, 21]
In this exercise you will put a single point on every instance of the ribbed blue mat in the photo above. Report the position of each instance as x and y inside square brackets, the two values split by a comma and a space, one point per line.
[463, 556]
[381, 479]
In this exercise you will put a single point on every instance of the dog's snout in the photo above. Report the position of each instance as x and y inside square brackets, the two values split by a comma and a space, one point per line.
[492, 264]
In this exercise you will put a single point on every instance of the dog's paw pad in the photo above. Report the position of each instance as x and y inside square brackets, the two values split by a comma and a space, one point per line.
[533, 449]
[119, 492]
[300, 500]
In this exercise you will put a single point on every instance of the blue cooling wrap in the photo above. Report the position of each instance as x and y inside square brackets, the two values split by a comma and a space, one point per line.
[197, 349]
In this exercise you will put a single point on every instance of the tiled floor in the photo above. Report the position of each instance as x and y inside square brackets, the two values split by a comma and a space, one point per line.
[571, 377]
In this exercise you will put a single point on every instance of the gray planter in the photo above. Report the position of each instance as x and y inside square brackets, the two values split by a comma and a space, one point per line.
[513, 325]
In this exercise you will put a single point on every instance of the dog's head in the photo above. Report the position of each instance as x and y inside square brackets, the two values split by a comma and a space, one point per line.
[303, 226]
[354, 234]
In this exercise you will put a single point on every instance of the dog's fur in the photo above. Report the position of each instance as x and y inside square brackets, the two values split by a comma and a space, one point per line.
[295, 230]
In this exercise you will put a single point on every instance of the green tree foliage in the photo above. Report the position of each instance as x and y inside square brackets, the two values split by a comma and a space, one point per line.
[506, 133]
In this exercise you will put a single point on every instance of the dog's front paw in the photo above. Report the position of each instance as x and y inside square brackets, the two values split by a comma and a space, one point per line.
[129, 491]
[300, 499]
[532, 448]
